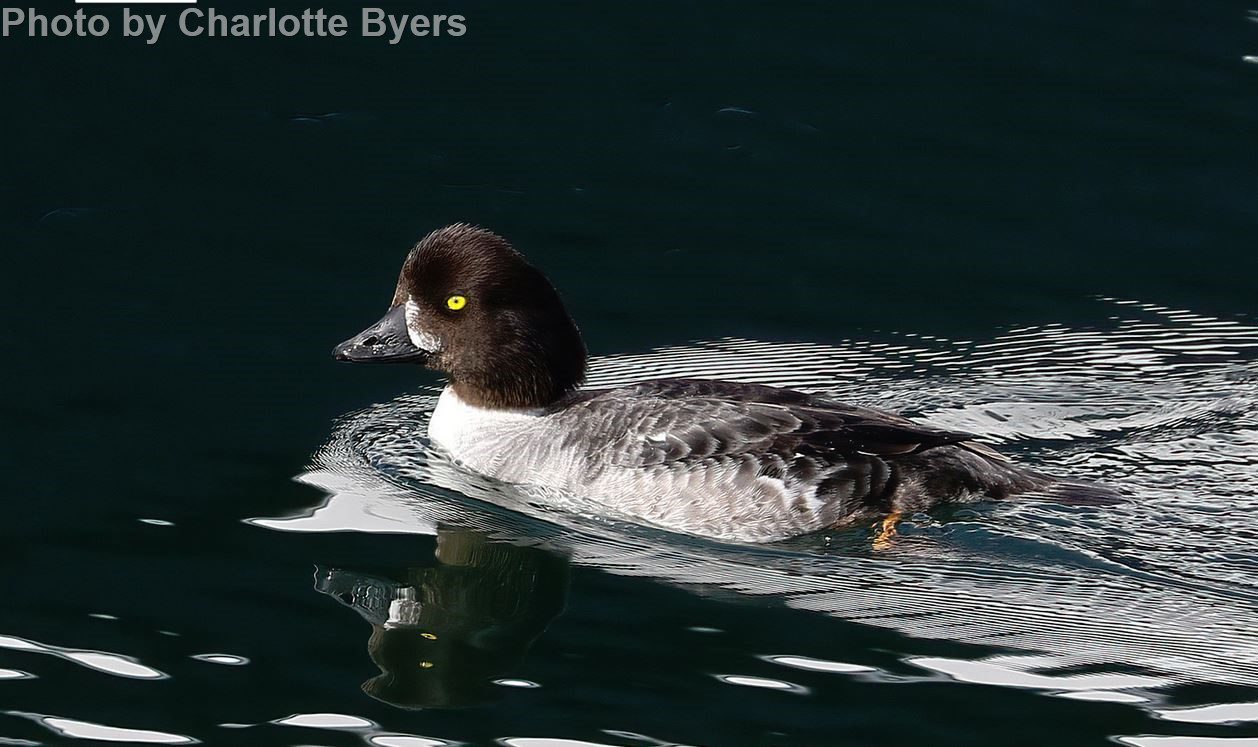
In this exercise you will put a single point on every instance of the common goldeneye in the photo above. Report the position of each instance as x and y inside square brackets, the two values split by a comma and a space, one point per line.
[732, 461]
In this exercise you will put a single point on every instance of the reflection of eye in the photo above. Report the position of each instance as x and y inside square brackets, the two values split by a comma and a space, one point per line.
[454, 303]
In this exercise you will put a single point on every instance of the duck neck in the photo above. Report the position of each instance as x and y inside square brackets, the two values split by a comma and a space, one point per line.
[532, 368]
[515, 389]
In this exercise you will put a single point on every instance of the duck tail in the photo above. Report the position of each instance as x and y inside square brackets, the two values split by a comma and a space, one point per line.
[1070, 493]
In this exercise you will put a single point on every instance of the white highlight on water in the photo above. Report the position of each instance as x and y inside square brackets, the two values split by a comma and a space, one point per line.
[76, 729]
[101, 661]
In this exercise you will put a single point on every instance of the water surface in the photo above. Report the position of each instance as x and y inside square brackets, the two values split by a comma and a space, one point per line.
[913, 205]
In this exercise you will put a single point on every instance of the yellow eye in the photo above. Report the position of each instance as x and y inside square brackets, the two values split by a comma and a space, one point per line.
[454, 303]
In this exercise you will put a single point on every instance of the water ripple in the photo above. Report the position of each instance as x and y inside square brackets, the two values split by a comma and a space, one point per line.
[75, 729]
[101, 661]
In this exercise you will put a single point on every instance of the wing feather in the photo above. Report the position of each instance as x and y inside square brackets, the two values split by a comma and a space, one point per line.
[682, 420]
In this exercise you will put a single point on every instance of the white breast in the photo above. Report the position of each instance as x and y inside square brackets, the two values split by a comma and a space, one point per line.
[481, 437]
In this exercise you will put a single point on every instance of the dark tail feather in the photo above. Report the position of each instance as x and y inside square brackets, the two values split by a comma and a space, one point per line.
[1077, 494]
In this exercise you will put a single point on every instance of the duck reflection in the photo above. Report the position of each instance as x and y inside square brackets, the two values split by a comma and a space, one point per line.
[442, 632]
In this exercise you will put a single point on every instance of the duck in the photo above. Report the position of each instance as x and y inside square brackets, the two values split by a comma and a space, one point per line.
[725, 460]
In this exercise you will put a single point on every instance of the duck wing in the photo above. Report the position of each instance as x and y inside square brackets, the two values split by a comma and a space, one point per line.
[681, 420]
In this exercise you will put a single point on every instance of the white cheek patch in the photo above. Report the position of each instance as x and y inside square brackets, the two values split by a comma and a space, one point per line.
[420, 337]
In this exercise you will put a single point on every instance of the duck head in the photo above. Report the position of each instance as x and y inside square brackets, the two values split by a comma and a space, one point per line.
[469, 305]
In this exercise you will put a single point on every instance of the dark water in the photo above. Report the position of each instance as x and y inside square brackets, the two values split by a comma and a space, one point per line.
[190, 226]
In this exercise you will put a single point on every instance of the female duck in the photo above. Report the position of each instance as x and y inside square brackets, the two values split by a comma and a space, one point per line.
[727, 460]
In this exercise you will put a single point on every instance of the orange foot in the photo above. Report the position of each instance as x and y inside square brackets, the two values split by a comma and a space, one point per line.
[886, 530]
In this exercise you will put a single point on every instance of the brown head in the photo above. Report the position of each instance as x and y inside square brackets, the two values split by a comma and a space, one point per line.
[470, 306]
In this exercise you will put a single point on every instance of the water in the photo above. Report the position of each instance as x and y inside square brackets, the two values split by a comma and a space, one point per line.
[910, 205]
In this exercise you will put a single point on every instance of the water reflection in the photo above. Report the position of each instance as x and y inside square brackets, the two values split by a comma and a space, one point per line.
[442, 632]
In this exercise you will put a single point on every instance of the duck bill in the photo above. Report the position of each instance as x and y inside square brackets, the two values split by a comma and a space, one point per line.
[386, 341]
